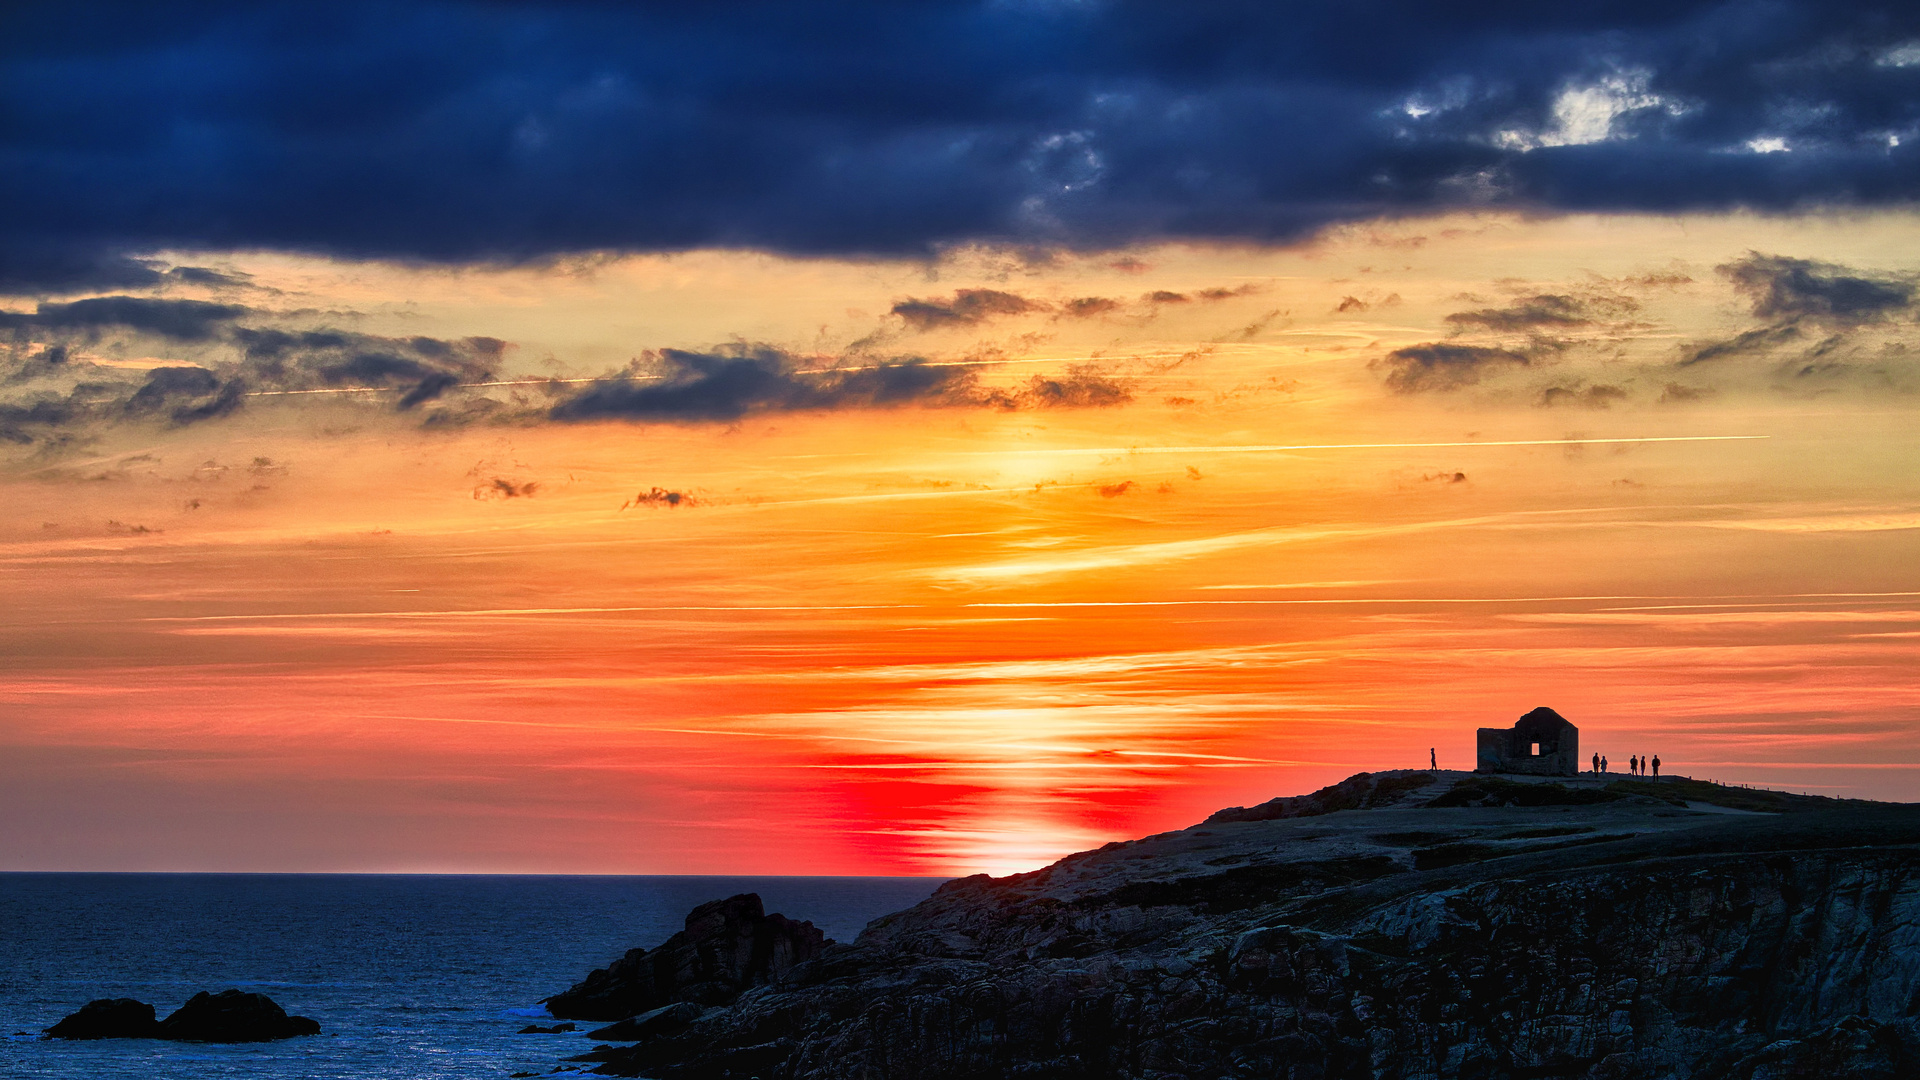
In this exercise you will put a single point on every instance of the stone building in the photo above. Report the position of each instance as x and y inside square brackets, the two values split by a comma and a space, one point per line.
[1541, 743]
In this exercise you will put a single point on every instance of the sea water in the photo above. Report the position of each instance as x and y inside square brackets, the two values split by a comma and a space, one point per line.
[418, 977]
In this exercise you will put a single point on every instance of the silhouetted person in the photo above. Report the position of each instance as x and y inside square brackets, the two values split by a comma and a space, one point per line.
[1432, 762]
[1596, 764]
[1603, 764]
[1633, 766]
[1656, 766]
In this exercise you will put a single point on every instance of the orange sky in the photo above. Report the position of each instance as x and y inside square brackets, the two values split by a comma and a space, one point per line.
[322, 634]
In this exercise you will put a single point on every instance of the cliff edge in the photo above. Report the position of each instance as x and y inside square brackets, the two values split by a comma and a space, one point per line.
[1396, 925]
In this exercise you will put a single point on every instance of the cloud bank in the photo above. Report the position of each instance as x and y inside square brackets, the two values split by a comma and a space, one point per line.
[459, 132]
[52, 392]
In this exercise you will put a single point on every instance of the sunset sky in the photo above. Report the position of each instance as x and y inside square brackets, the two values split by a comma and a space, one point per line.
[932, 438]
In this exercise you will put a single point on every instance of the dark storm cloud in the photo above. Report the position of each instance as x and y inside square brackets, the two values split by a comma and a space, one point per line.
[1442, 366]
[735, 382]
[451, 131]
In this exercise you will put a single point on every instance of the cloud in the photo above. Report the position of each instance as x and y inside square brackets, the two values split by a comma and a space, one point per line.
[30, 422]
[656, 497]
[968, 307]
[1741, 344]
[1679, 393]
[501, 487]
[220, 360]
[481, 132]
[1804, 300]
[209, 278]
[1790, 289]
[176, 320]
[730, 383]
[1443, 366]
[235, 361]
[315, 359]
[1078, 389]
[1223, 293]
[1088, 307]
[1597, 396]
[1546, 311]
[187, 394]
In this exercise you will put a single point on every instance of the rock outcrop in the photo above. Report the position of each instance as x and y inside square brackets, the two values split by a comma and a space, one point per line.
[109, 1018]
[1488, 939]
[1361, 791]
[230, 1016]
[728, 946]
[233, 1016]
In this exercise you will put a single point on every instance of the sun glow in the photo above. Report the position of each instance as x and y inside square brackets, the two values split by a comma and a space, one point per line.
[1208, 557]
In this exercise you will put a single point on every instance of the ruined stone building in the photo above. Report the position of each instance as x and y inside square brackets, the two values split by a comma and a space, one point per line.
[1542, 743]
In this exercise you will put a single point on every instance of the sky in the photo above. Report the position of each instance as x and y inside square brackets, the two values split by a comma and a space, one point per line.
[932, 438]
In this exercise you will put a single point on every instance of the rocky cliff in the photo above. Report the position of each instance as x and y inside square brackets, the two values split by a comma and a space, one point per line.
[1402, 925]
[727, 947]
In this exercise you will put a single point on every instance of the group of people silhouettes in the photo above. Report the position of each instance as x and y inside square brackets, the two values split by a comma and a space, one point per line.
[1638, 765]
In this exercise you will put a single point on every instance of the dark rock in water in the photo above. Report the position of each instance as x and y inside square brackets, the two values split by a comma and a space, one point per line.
[1629, 939]
[728, 947]
[554, 1029]
[233, 1016]
[109, 1018]
[665, 1020]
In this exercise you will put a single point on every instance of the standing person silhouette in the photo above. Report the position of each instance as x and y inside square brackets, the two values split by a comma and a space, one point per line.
[1432, 762]
[1656, 766]
[1633, 766]
[1603, 764]
[1596, 764]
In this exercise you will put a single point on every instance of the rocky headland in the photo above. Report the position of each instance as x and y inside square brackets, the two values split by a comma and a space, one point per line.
[1395, 925]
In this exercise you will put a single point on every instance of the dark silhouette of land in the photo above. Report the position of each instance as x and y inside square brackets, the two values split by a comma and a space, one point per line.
[1396, 925]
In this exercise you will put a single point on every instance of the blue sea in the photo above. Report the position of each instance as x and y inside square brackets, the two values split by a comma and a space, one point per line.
[418, 977]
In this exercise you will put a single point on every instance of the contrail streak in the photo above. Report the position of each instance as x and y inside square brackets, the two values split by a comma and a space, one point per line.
[1277, 447]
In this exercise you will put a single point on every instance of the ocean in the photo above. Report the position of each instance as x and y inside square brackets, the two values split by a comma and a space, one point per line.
[410, 976]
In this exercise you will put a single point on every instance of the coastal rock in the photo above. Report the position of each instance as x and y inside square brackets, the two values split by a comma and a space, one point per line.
[233, 1016]
[728, 946]
[1622, 937]
[109, 1018]
[665, 1020]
